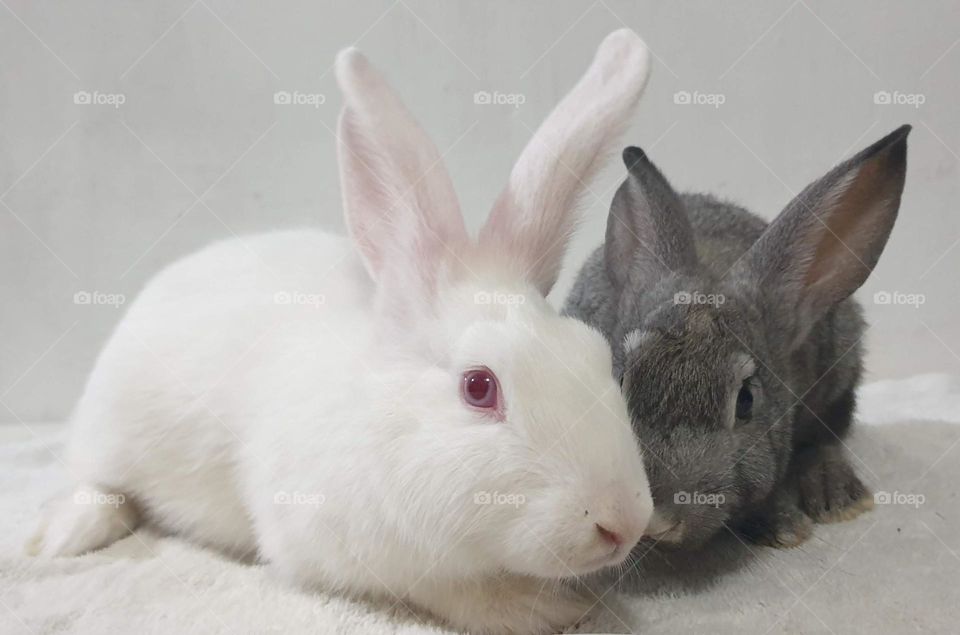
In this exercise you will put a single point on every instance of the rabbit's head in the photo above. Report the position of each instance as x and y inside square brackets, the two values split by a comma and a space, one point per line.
[706, 357]
[510, 440]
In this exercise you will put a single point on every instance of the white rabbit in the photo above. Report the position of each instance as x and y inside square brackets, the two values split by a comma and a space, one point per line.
[400, 414]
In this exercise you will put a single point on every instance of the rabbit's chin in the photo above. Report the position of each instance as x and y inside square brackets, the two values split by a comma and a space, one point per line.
[671, 531]
[616, 557]
[582, 563]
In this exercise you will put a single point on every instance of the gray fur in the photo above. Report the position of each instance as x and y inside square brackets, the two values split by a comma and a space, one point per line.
[785, 289]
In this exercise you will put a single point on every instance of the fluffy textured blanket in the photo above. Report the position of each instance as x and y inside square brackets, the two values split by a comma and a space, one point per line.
[895, 569]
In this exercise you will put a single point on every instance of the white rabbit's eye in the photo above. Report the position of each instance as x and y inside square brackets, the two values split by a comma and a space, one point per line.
[480, 389]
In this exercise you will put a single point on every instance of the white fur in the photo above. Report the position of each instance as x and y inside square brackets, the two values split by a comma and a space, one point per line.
[297, 397]
[533, 217]
[634, 339]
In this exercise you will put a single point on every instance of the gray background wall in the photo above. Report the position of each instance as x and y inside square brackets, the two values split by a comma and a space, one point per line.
[97, 198]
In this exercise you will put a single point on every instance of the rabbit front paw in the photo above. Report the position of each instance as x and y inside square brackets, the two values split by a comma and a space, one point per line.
[783, 526]
[551, 610]
[506, 605]
[830, 490]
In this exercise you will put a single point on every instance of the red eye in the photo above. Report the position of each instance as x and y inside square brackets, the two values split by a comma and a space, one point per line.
[480, 388]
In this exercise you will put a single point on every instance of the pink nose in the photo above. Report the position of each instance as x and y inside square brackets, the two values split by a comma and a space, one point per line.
[609, 536]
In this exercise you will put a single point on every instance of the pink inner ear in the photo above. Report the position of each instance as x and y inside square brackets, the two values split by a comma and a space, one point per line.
[536, 214]
[853, 224]
[401, 210]
[534, 246]
[363, 194]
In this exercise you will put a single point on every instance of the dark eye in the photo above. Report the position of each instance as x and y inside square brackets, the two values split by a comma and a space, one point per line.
[744, 402]
[480, 388]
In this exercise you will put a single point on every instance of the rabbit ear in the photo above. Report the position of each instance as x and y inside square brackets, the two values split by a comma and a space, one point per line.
[823, 246]
[534, 216]
[401, 209]
[648, 233]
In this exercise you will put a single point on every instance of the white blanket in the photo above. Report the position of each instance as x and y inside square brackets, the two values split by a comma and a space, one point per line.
[895, 569]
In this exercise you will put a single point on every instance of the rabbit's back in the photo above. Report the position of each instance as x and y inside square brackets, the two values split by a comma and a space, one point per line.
[171, 404]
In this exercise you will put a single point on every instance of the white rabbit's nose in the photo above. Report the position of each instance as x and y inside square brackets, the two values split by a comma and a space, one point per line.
[609, 535]
[618, 530]
[619, 524]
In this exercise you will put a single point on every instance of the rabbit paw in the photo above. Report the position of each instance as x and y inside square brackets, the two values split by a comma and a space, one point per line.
[782, 527]
[830, 491]
[538, 608]
[506, 605]
[551, 611]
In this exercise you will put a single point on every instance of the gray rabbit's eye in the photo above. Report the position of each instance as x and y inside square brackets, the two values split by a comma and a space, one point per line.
[745, 402]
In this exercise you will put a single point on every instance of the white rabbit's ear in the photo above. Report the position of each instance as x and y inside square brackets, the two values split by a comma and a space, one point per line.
[536, 213]
[401, 209]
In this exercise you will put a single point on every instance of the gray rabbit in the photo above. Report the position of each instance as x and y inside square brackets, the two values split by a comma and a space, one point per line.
[738, 346]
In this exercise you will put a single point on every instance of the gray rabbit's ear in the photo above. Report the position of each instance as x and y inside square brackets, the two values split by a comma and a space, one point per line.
[648, 233]
[822, 247]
